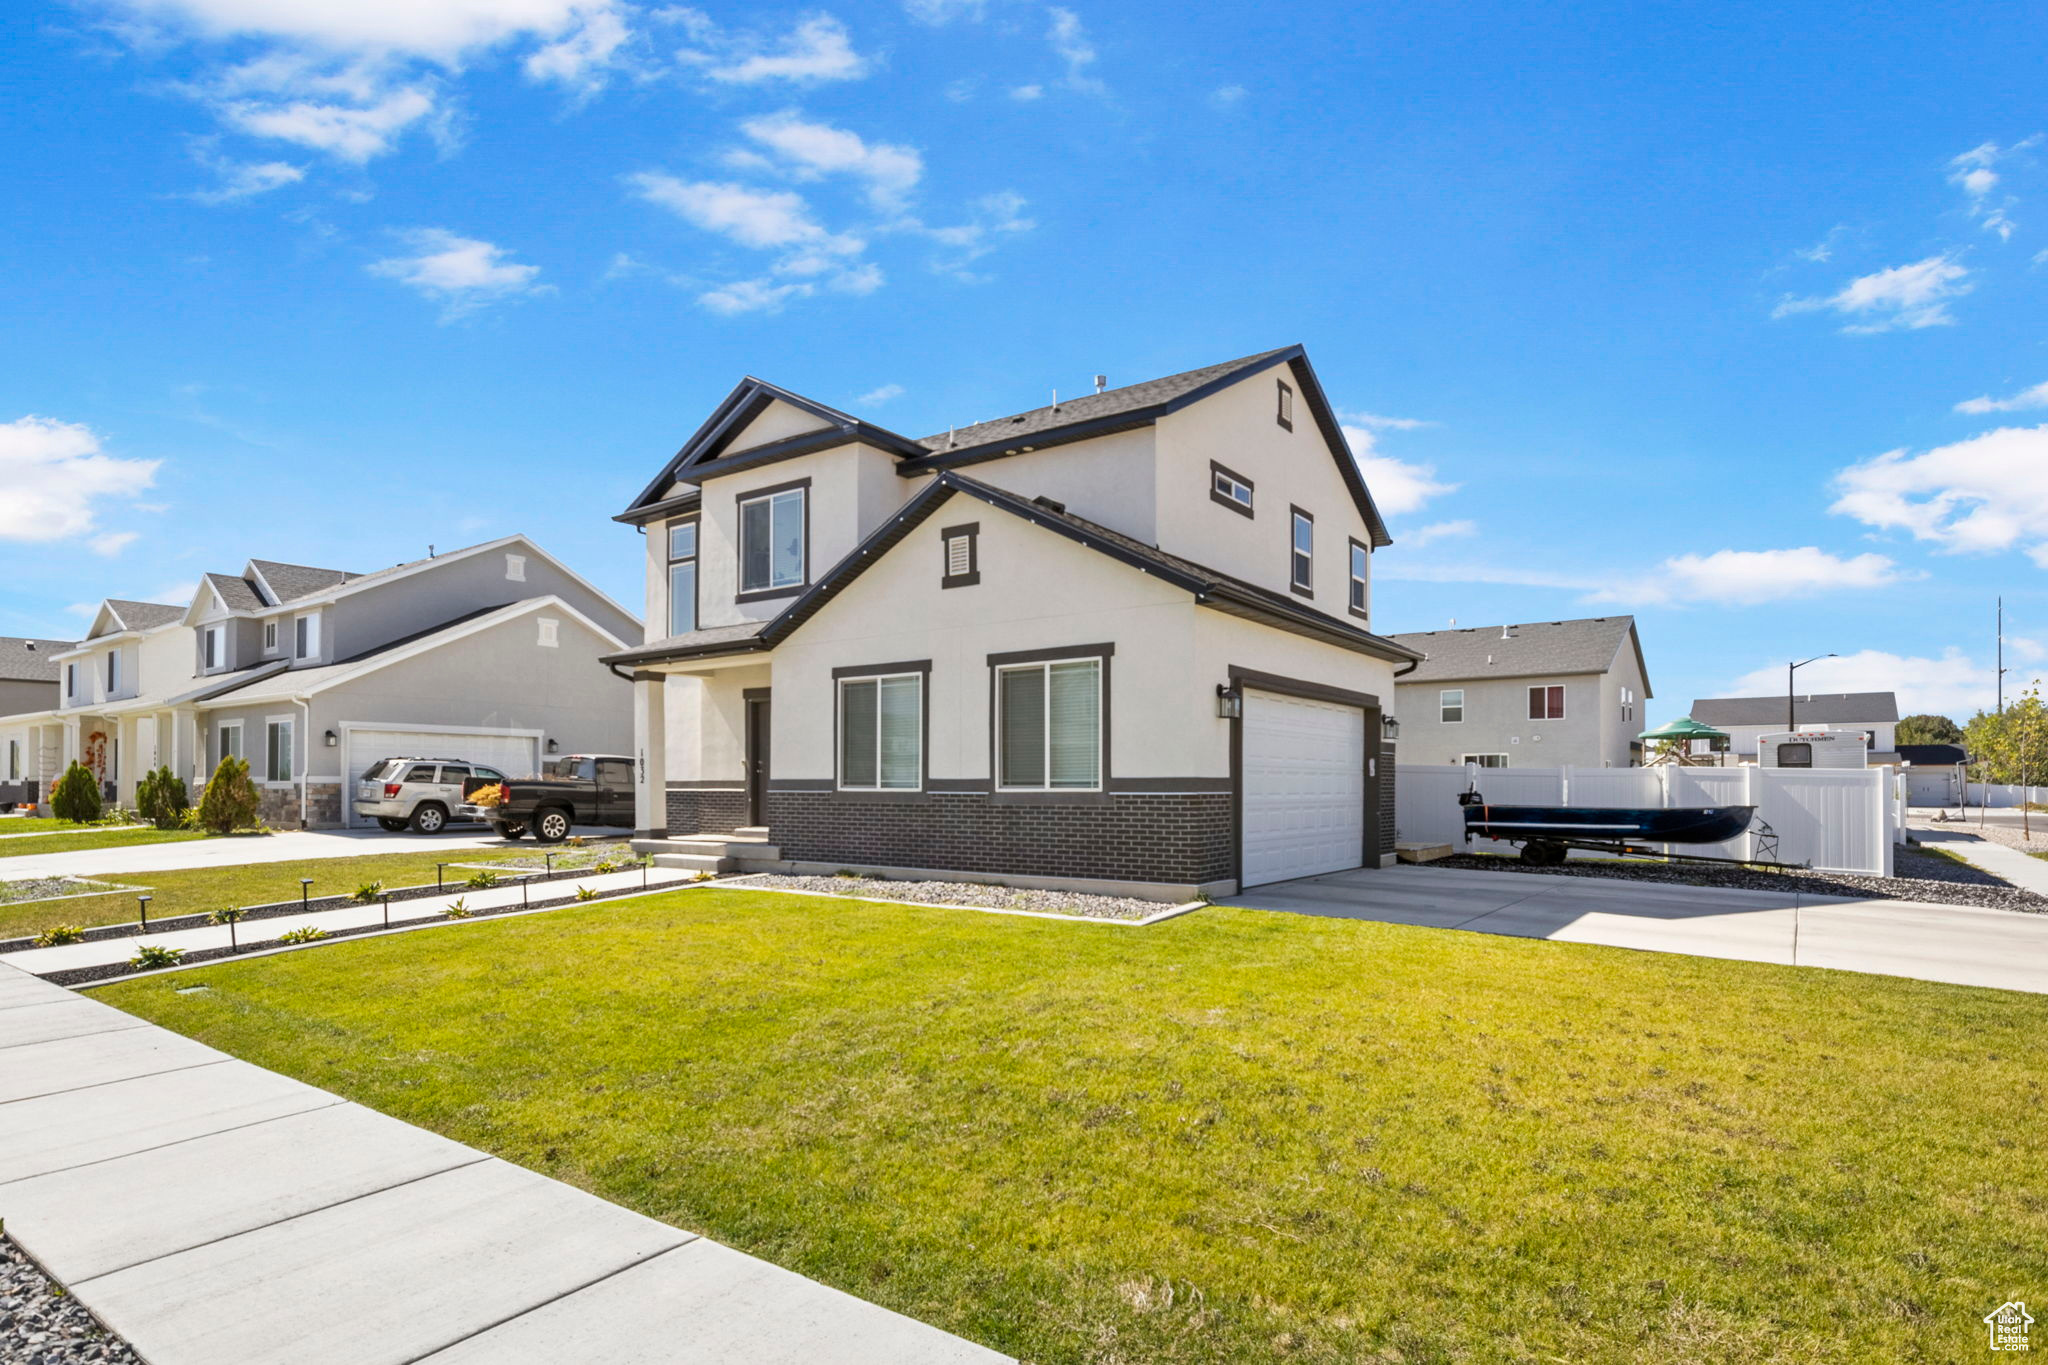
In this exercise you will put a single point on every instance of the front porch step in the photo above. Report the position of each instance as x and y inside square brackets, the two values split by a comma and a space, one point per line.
[732, 847]
[696, 862]
[751, 832]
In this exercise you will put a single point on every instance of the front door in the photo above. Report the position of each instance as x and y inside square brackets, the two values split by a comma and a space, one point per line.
[757, 760]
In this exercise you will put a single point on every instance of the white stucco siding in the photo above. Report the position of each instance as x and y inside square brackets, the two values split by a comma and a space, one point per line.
[777, 422]
[1038, 590]
[1236, 429]
[1109, 480]
[1222, 642]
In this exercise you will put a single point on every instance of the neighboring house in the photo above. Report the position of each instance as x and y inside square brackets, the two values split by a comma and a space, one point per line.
[486, 654]
[28, 683]
[1935, 773]
[1748, 719]
[1538, 694]
[1125, 638]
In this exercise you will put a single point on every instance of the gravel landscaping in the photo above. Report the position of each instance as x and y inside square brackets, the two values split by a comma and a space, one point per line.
[979, 894]
[49, 888]
[1921, 877]
[40, 1324]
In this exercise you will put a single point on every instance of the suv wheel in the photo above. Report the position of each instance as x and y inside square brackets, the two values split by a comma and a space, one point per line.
[391, 823]
[551, 826]
[429, 818]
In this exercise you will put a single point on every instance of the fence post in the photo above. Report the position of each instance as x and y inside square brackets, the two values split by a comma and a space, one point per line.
[1564, 784]
[1751, 797]
[1883, 814]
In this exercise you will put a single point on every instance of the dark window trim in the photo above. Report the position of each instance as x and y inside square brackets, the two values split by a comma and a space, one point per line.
[1301, 513]
[696, 579]
[921, 667]
[972, 531]
[1251, 489]
[1350, 577]
[739, 541]
[1283, 405]
[1050, 795]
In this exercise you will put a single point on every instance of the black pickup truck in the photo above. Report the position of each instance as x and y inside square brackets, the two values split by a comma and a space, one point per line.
[575, 789]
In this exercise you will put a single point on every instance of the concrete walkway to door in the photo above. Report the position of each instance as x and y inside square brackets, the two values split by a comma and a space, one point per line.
[211, 1212]
[1957, 944]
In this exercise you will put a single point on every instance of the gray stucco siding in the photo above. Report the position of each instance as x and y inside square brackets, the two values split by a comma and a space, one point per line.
[17, 698]
[421, 600]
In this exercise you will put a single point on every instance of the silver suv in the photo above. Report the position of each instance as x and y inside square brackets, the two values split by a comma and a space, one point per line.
[422, 794]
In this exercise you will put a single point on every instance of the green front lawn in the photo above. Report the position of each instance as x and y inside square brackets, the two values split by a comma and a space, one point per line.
[94, 839]
[1235, 1136]
[186, 891]
[25, 825]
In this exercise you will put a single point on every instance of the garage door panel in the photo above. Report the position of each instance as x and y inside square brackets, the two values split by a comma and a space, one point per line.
[513, 755]
[1303, 773]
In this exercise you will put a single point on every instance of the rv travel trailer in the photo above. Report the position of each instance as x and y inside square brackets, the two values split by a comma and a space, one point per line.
[1814, 749]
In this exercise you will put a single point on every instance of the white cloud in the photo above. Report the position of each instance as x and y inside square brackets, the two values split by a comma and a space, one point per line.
[437, 30]
[56, 476]
[809, 150]
[352, 133]
[462, 273]
[1823, 250]
[1070, 41]
[245, 179]
[1438, 530]
[583, 58]
[1986, 494]
[819, 48]
[1226, 97]
[1905, 296]
[112, 543]
[1748, 577]
[1971, 172]
[938, 12]
[2036, 397]
[1024, 94]
[1952, 685]
[754, 218]
[753, 296]
[1372, 421]
[876, 397]
[991, 218]
[1397, 486]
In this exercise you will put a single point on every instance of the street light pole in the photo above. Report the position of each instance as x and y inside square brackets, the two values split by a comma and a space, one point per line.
[1791, 716]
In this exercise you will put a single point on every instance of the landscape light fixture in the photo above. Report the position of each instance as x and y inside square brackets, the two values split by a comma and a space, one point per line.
[142, 903]
[1791, 722]
[305, 883]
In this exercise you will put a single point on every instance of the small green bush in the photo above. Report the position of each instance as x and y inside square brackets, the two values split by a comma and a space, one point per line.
[229, 802]
[367, 892]
[228, 914]
[305, 933]
[586, 893]
[457, 909]
[58, 934]
[482, 880]
[77, 795]
[160, 799]
[153, 955]
[604, 865]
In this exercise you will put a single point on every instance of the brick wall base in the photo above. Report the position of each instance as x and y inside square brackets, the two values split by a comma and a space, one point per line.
[705, 812]
[1388, 823]
[1178, 837]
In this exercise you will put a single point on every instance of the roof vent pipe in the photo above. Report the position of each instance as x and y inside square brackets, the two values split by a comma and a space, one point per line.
[1101, 380]
[1055, 400]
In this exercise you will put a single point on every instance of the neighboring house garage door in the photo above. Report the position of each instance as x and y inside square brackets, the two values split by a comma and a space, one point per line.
[1304, 787]
[513, 755]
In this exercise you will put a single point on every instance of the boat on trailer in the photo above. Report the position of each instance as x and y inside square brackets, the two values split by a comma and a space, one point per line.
[1547, 834]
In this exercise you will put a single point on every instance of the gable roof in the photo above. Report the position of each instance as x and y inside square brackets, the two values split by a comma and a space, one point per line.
[290, 582]
[26, 659]
[239, 594]
[142, 615]
[1210, 587]
[1814, 708]
[1076, 419]
[1528, 650]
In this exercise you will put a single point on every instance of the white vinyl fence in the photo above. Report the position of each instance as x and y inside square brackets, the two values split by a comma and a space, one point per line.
[1840, 820]
[2005, 794]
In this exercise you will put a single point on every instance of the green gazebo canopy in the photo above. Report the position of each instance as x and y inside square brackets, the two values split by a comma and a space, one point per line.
[1685, 727]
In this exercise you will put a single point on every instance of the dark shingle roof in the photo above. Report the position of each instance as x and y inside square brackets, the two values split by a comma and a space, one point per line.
[1092, 407]
[1933, 755]
[239, 593]
[24, 659]
[292, 581]
[1532, 649]
[1817, 708]
[144, 615]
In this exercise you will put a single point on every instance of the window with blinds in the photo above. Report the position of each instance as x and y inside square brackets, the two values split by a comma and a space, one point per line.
[881, 733]
[1050, 726]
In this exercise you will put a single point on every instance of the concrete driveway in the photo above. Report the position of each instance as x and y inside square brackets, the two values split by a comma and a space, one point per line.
[241, 850]
[1957, 944]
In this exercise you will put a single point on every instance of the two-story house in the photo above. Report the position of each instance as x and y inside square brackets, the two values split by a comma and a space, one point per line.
[482, 655]
[28, 686]
[1536, 694]
[1125, 638]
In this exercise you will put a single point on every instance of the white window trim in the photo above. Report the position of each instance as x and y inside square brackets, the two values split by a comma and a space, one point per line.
[270, 636]
[515, 568]
[1474, 758]
[1563, 700]
[1358, 591]
[1229, 486]
[213, 647]
[220, 747]
[1045, 701]
[113, 671]
[803, 547]
[675, 561]
[313, 640]
[839, 720]
[71, 682]
[291, 741]
[1443, 704]
[549, 636]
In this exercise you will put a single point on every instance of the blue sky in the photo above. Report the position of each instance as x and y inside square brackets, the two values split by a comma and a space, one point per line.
[1730, 319]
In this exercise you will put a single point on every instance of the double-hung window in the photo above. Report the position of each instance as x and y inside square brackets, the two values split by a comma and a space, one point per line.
[270, 637]
[228, 741]
[1049, 725]
[682, 577]
[1359, 569]
[306, 638]
[772, 540]
[113, 671]
[1451, 705]
[71, 682]
[211, 640]
[1628, 703]
[277, 750]
[1546, 703]
[1302, 553]
[881, 732]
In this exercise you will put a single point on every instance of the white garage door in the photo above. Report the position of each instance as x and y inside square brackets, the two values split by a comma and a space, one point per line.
[512, 755]
[1304, 787]
[1936, 788]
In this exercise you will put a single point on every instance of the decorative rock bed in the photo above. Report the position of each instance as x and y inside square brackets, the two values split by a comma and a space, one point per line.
[26, 889]
[977, 894]
[41, 1324]
[1921, 877]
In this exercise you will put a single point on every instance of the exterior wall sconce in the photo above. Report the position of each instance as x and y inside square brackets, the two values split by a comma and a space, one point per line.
[1389, 727]
[332, 739]
[553, 747]
[1229, 704]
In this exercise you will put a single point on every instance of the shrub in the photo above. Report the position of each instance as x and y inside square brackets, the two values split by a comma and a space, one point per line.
[152, 955]
[58, 934]
[305, 933]
[487, 796]
[367, 892]
[76, 795]
[228, 914]
[160, 799]
[604, 865]
[586, 893]
[482, 880]
[229, 802]
[457, 909]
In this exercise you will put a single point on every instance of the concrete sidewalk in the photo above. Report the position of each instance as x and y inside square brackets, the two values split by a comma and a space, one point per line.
[2008, 864]
[1951, 943]
[215, 1213]
[241, 850]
